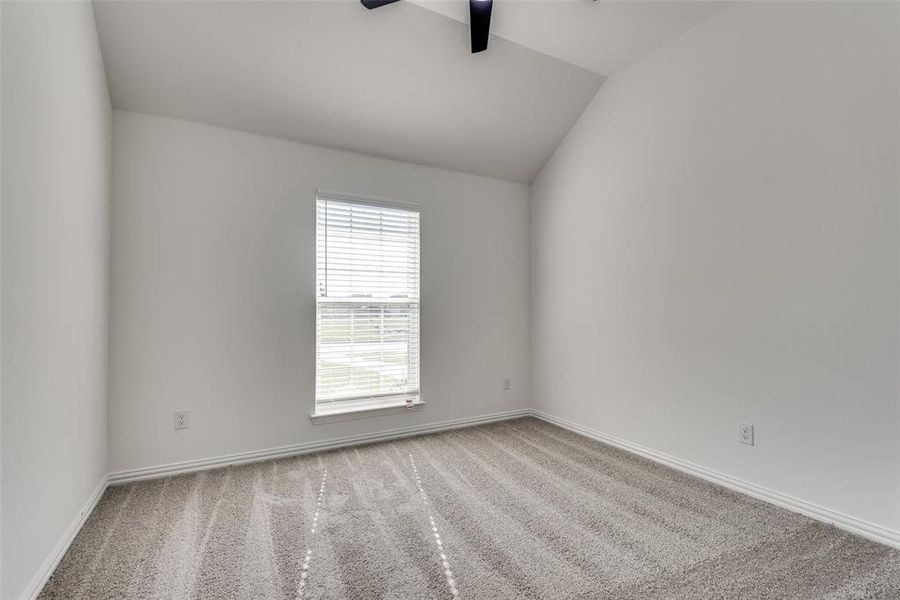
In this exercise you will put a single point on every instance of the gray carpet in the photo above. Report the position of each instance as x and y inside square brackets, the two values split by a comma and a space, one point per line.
[519, 509]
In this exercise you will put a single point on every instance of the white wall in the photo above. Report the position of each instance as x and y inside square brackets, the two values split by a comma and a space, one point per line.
[55, 264]
[716, 241]
[213, 289]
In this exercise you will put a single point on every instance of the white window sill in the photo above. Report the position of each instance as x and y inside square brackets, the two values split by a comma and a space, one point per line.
[349, 411]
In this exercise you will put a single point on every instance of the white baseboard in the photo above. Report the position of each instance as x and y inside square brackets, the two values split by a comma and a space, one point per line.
[189, 466]
[814, 511]
[52, 561]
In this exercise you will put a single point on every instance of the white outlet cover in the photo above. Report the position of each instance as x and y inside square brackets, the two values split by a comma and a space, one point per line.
[745, 434]
[182, 419]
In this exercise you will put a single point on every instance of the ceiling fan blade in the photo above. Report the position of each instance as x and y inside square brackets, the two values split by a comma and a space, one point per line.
[370, 4]
[480, 23]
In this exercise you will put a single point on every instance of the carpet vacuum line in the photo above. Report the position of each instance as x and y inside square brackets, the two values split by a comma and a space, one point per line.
[304, 573]
[451, 582]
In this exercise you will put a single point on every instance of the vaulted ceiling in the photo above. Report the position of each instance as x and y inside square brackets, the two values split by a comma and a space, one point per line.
[397, 82]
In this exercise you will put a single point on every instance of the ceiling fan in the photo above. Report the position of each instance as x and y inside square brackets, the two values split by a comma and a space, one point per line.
[479, 20]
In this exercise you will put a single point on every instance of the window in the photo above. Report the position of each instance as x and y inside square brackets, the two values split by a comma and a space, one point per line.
[367, 304]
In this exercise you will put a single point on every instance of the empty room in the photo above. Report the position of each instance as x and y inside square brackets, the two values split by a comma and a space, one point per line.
[449, 299]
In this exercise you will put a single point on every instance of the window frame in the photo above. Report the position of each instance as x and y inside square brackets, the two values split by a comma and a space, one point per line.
[377, 404]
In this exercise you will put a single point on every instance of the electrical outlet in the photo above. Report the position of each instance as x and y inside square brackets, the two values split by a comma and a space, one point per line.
[745, 433]
[507, 383]
[182, 419]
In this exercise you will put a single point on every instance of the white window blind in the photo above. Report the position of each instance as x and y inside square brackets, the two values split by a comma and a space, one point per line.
[367, 309]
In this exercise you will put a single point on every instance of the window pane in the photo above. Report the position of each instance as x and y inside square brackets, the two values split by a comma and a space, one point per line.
[367, 350]
[367, 251]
